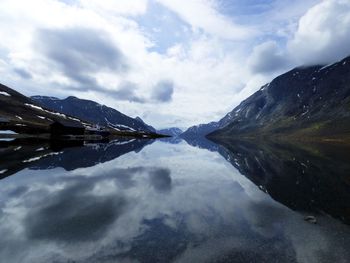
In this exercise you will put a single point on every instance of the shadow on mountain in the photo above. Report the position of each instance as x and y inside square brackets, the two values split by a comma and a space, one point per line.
[307, 178]
[20, 154]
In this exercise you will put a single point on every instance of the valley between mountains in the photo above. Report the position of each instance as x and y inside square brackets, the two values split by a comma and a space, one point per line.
[307, 104]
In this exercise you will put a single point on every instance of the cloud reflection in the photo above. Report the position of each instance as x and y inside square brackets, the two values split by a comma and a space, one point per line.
[157, 205]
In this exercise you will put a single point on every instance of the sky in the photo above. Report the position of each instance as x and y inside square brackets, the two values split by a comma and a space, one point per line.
[174, 63]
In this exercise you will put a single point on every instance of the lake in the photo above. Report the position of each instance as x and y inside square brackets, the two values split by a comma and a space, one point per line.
[174, 201]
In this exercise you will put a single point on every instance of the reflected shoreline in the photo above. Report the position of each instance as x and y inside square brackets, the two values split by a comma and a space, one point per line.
[309, 177]
[38, 155]
[171, 202]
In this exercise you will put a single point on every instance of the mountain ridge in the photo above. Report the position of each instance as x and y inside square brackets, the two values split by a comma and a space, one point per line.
[306, 101]
[22, 114]
[94, 112]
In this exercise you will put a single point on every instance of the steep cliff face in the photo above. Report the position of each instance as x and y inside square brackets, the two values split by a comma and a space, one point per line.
[307, 101]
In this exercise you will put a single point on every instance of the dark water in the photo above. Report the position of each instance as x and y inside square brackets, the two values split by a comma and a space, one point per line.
[144, 201]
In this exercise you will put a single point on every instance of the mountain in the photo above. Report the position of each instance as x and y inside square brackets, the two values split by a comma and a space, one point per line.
[148, 127]
[173, 132]
[202, 130]
[93, 112]
[306, 102]
[23, 115]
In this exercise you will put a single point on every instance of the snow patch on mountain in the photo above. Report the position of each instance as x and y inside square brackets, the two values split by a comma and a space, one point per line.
[3, 93]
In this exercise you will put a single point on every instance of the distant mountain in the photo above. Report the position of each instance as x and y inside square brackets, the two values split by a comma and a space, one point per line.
[202, 130]
[22, 114]
[306, 101]
[174, 132]
[94, 112]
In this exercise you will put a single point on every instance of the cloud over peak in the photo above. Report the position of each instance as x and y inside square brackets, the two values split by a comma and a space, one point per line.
[267, 58]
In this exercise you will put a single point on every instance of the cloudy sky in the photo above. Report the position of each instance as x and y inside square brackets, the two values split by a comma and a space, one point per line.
[171, 62]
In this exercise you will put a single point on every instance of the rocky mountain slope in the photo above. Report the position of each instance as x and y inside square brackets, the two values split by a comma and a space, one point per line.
[304, 102]
[94, 112]
[202, 130]
[21, 114]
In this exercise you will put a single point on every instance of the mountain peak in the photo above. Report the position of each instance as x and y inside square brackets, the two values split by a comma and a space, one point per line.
[39, 97]
[306, 100]
[93, 112]
[139, 119]
[298, 100]
[72, 98]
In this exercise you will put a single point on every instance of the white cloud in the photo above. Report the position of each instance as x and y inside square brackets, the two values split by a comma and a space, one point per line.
[202, 14]
[323, 35]
[266, 58]
[212, 67]
[129, 7]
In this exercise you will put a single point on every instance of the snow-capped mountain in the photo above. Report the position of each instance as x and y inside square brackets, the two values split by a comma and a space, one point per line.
[24, 115]
[94, 112]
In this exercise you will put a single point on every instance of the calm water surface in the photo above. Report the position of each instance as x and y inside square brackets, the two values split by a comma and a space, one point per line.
[143, 201]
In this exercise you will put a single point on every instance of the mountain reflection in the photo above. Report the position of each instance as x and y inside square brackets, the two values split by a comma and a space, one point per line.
[164, 203]
[70, 155]
[311, 178]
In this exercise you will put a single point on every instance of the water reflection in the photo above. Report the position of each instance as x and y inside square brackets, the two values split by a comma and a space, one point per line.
[313, 178]
[160, 203]
[19, 154]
